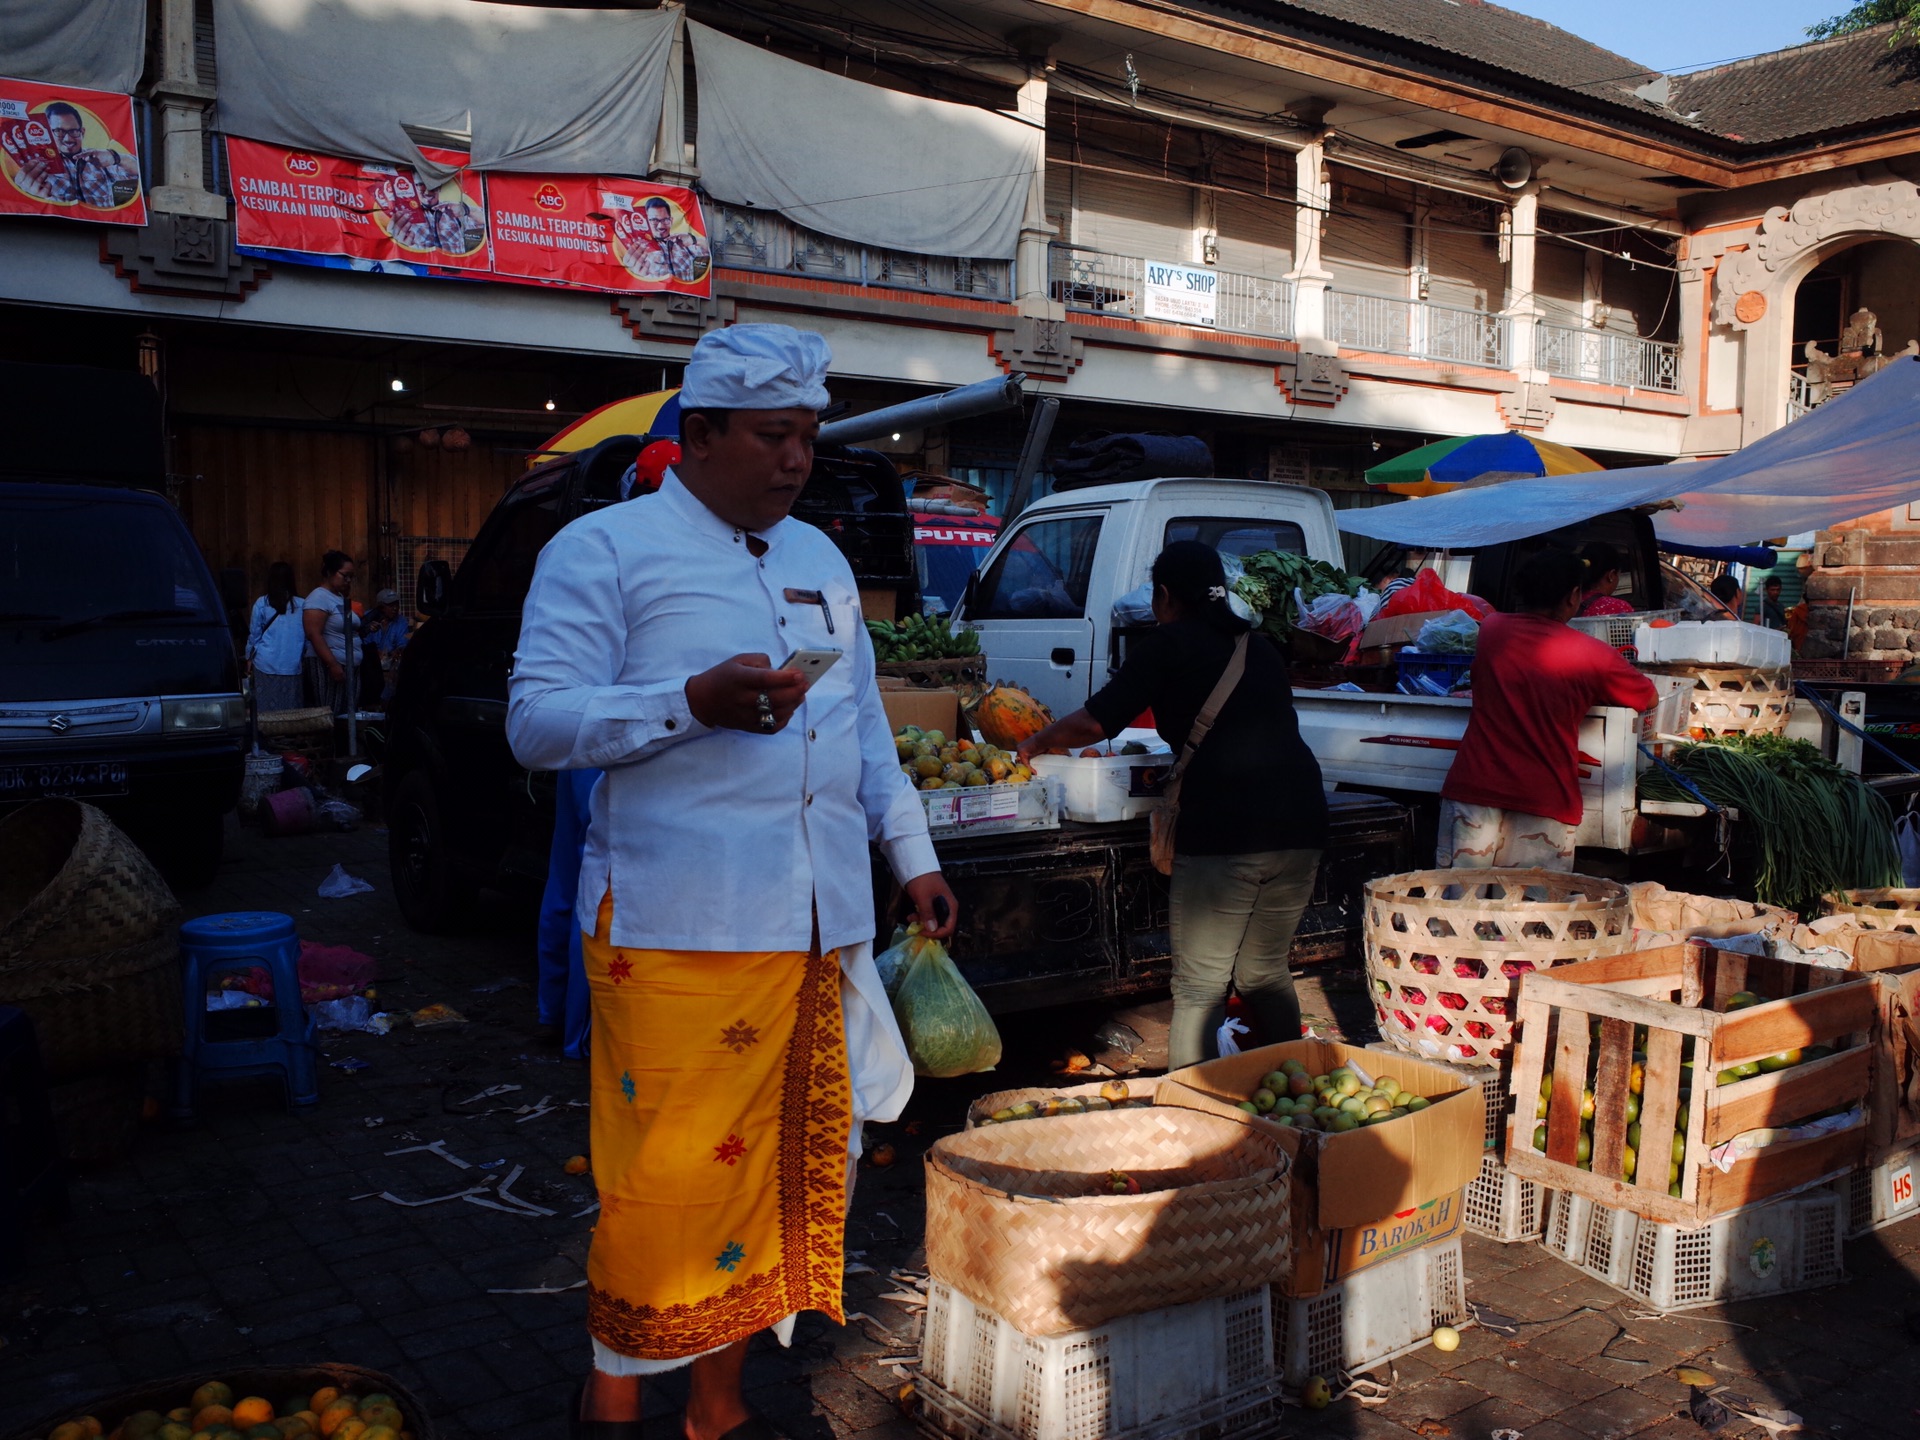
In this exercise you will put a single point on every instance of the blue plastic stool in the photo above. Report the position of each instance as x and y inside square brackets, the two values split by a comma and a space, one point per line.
[288, 1049]
[33, 1177]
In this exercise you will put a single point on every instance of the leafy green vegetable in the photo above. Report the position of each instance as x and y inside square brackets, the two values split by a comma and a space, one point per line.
[1273, 575]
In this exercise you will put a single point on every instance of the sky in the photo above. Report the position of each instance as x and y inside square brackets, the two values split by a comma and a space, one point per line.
[1673, 36]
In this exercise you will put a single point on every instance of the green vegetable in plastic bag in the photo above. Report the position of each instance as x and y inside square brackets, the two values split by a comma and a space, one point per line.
[947, 1030]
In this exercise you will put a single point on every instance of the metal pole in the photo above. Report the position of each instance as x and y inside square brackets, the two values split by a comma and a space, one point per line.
[1846, 635]
[353, 697]
[983, 398]
[1038, 433]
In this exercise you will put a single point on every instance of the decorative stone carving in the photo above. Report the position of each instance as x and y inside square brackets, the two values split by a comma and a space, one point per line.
[182, 255]
[1040, 347]
[1313, 379]
[1892, 209]
[1531, 407]
[669, 316]
[1750, 307]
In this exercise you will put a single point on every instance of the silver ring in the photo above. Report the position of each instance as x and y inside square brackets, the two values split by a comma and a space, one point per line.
[766, 710]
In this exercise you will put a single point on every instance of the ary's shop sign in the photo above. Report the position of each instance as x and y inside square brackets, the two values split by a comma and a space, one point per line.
[1185, 294]
[591, 232]
[70, 152]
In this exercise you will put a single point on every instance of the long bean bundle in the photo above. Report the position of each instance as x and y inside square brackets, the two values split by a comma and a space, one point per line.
[1817, 828]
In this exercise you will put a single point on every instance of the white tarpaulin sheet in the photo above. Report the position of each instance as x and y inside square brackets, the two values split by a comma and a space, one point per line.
[94, 44]
[867, 164]
[563, 91]
[1855, 455]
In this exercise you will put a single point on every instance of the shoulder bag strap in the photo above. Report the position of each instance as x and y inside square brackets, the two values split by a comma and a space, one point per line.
[1210, 712]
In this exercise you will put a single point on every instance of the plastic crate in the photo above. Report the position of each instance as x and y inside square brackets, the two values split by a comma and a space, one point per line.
[1185, 1371]
[1879, 1195]
[1373, 1315]
[1502, 1206]
[1771, 1249]
[1413, 666]
[1100, 789]
[992, 809]
[1617, 630]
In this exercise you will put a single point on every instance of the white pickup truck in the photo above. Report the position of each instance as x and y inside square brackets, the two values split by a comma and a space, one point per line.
[1043, 600]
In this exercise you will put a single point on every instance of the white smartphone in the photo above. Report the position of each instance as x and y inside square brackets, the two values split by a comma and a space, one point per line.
[811, 663]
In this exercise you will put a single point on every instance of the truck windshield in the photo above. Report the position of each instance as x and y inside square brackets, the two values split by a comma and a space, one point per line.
[79, 563]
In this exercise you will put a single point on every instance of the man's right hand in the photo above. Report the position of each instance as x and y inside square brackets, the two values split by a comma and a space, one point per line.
[727, 697]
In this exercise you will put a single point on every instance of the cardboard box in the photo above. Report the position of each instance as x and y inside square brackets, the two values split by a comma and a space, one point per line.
[1397, 630]
[929, 709]
[879, 603]
[1366, 1195]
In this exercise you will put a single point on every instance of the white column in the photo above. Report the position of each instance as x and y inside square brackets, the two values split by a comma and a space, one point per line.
[1031, 262]
[182, 103]
[1523, 307]
[672, 164]
[1312, 197]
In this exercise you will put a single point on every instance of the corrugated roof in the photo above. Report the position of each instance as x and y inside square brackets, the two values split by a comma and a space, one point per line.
[1828, 85]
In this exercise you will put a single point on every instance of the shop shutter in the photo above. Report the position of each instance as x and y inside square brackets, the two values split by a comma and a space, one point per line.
[1367, 250]
[1463, 265]
[1146, 217]
[1559, 281]
[1256, 234]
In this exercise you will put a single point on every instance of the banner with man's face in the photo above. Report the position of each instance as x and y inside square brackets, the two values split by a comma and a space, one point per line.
[71, 152]
[599, 233]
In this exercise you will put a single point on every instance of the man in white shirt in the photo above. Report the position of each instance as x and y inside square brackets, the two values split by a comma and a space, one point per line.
[740, 1033]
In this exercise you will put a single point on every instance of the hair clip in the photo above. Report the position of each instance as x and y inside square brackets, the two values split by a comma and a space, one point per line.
[1216, 592]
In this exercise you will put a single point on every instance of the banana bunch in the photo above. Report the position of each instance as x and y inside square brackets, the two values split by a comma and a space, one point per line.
[921, 637]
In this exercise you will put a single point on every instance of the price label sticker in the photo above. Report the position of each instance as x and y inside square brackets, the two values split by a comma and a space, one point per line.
[1900, 1183]
[943, 807]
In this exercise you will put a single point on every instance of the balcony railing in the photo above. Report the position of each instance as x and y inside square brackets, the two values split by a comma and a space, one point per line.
[763, 240]
[1389, 326]
[1607, 358]
[1103, 283]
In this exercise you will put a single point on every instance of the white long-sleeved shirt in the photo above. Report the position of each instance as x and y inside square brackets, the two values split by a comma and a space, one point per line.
[275, 640]
[711, 839]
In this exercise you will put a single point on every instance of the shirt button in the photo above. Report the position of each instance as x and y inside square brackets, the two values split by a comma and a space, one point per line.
[809, 799]
[783, 619]
[813, 735]
[671, 724]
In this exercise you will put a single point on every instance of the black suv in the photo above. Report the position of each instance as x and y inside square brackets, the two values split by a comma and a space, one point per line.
[118, 679]
[461, 811]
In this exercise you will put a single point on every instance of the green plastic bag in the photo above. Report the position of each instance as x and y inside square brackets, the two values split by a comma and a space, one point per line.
[947, 1030]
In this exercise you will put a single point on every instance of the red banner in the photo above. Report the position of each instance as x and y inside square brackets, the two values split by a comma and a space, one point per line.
[321, 205]
[599, 233]
[69, 152]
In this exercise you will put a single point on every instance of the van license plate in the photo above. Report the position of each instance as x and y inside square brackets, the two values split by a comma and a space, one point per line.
[99, 777]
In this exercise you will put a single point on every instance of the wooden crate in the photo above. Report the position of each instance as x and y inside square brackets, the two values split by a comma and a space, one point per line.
[1678, 993]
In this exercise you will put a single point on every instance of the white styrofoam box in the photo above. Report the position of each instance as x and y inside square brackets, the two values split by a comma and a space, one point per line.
[1881, 1194]
[1713, 642]
[1375, 1314]
[990, 809]
[1160, 1375]
[1098, 790]
[1502, 1206]
[1771, 1249]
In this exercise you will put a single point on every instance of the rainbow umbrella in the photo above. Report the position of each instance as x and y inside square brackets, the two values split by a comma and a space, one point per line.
[657, 415]
[1446, 464]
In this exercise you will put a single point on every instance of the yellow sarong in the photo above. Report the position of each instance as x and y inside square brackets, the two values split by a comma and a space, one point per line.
[721, 1110]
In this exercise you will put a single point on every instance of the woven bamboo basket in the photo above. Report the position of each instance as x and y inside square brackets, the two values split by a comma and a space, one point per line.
[1891, 909]
[1446, 950]
[937, 674]
[1021, 1218]
[1667, 917]
[74, 888]
[313, 720]
[132, 1013]
[276, 1383]
[1139, 1092]
[1735, 700]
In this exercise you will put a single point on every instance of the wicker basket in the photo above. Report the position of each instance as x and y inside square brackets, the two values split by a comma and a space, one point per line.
[74, 890]
[937, 674]
[1666, 917]
[132, 1014]
[1022, 1219]
[313, 720]
[1734, 699]
[1446, 950]
[1139, 1092]
[277, 1383]
[1892, 909]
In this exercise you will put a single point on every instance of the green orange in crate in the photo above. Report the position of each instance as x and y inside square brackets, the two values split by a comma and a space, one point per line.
[337, 1402]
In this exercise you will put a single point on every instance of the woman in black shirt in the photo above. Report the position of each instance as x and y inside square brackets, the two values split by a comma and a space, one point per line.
[1253, 812]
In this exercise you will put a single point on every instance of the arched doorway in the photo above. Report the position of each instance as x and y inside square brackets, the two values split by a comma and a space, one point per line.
[1878, 277]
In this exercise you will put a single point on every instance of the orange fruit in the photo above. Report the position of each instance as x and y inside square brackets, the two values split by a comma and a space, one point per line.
[292, 1425]
[351, 1429]
[380, 1432]
[142, 1423]
[72, 1430]
[209, 1417]
[211, 1393]
[252, 1411]
[308, 1415]
[376, 1398]
[93, 1427]
[180, 1414]
[322, 1398]
[378, 1415]
[576, 1166]
[174, 1430]
[337, 1414]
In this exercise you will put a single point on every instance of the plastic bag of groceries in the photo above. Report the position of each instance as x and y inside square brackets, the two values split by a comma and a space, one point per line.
[892, 961]
[1455, 633]
[947, 1030]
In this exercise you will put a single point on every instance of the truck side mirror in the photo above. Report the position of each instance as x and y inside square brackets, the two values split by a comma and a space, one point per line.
[430, 589]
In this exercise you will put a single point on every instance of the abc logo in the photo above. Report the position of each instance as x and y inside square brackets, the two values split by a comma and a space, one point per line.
[549, 198]
[302, 164]
[37, 134]
[403, 187]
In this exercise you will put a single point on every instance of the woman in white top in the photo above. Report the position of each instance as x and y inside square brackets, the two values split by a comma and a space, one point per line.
[326, 619]
[276, 641]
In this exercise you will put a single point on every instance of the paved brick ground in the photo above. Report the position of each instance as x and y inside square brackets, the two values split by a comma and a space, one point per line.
[241, 1241]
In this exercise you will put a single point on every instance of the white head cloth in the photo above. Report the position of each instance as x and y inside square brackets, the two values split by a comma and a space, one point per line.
[757, 367]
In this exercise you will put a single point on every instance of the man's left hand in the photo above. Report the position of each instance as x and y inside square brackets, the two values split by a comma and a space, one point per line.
[923, 890]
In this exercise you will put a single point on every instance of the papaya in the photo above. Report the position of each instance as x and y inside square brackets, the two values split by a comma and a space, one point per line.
[1005, 715]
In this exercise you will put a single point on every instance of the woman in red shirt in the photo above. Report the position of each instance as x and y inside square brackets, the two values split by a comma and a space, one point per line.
[1513, 794]
[1602, 575]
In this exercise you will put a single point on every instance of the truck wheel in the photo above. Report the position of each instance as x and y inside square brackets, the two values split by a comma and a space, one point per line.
[433, 895]
[191, 853]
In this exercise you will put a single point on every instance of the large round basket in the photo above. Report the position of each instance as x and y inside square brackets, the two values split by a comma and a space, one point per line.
[1446, 950]
[1891, 909]
[275, 1383]
[129, 1010]
[1667, 917]
[73, 887]
[1734, 699]
[1022, 1218]
[1139, 1092]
